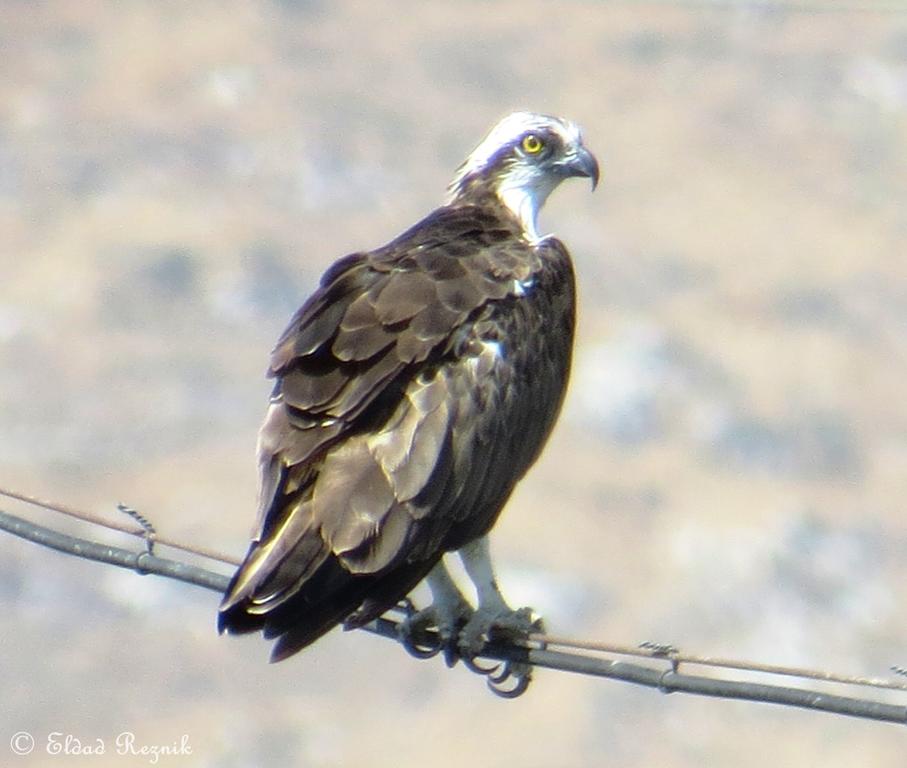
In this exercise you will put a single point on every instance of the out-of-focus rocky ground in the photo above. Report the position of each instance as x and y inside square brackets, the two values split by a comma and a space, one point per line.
[729, 472]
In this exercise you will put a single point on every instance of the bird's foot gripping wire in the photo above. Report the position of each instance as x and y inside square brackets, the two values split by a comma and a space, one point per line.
[509, 678]
[426, 633]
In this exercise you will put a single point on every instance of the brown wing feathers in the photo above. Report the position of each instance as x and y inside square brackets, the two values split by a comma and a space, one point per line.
[356, 449]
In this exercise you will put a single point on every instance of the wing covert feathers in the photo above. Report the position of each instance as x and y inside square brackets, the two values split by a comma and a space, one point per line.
[412, 390]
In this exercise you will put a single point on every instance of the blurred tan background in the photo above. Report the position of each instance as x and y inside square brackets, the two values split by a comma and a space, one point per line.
[730, 471]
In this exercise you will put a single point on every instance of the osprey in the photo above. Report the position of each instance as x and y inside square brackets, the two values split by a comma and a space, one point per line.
[412, 391]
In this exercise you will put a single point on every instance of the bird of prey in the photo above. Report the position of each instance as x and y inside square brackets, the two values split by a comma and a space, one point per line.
[413, 390]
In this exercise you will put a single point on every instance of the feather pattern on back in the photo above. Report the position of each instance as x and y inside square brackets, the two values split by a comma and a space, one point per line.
[412, 391]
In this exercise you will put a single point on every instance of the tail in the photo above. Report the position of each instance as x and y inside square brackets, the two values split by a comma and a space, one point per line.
[330, 596]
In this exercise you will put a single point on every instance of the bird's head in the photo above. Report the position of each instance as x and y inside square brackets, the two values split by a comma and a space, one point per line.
[521, 161]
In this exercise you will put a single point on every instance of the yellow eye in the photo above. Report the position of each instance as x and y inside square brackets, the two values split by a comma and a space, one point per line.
[532, 144]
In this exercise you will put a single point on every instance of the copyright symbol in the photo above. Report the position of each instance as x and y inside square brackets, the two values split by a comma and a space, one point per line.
[22, 743]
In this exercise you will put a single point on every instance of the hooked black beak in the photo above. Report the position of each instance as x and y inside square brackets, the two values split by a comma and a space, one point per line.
[581, 163]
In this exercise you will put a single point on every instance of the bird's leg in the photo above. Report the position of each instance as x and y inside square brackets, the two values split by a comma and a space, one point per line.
[448, 612]
[493, 616]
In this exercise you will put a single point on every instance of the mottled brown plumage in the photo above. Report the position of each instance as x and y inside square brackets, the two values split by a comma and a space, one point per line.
[413, 390]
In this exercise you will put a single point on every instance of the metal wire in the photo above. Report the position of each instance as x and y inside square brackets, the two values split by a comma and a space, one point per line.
[141, 532]
[141, 562]
[665, 676]
[677, 658]
[666, 680]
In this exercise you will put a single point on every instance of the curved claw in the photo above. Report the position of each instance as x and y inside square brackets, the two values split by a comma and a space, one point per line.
[499, 677]
[473, 666]
[424, 637]
[420, 650]
[522, 685]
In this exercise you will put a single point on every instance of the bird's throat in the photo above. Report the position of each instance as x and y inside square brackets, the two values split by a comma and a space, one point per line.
[524, 201]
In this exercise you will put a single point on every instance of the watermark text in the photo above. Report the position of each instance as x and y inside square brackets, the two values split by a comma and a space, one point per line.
[125, 743]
